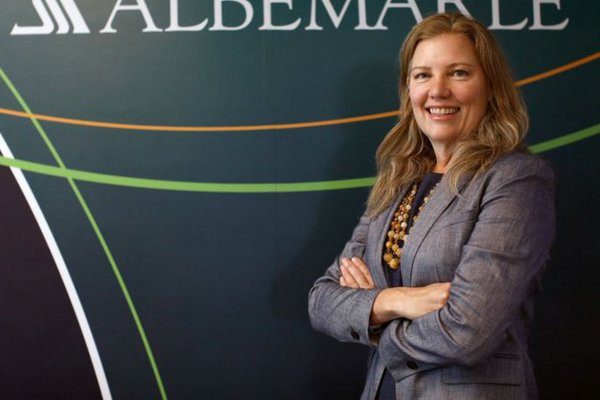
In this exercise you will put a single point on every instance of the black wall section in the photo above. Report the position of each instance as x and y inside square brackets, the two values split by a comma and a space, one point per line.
[43, 352]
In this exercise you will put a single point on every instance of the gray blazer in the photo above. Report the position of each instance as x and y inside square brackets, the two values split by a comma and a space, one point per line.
[492, 242]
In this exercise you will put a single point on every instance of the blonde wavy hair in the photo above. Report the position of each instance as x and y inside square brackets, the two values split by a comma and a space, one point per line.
[406, 155]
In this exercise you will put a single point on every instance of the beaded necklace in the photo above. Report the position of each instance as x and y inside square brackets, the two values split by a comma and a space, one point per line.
[397, 234]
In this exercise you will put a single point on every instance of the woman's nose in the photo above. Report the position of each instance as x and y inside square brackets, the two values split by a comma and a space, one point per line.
[439, 88]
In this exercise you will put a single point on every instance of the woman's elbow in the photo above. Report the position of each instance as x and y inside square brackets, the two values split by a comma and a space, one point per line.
[314, 311]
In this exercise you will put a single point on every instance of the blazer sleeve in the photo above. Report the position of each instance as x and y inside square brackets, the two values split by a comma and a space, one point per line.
[341, 312]
[498, 268]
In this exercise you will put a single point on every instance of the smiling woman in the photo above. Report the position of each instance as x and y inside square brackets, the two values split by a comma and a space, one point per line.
[467, 68]
[439, 275]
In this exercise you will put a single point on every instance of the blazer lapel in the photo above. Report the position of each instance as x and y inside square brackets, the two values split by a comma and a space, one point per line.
[378, 230]
[440, 200]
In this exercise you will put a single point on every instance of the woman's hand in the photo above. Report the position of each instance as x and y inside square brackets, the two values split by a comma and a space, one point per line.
[355, 274]
[409, 302]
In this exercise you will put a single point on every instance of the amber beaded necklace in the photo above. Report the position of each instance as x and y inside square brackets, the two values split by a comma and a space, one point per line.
[397, 235]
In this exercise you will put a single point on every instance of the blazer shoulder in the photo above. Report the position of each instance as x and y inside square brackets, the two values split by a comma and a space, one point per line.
[519, 165]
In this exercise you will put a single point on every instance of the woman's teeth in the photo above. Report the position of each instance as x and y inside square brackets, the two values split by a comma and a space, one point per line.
[443, 111]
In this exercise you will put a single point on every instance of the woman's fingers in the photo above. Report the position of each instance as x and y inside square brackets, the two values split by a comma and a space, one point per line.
[434, 297]
[355, 274]
[347, 280]
[364, 269]
[444, 292]
[343, 281]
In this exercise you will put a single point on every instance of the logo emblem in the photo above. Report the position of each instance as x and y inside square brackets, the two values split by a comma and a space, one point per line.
[54, 17]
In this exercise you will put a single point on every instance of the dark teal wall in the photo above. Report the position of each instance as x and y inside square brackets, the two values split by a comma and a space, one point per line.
[220, 280]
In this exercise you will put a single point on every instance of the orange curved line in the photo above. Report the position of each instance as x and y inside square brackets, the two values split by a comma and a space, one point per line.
[240, 128]
[114, 125]
[558, 70]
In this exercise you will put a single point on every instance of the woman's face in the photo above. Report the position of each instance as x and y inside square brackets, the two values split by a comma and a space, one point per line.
[448, 90]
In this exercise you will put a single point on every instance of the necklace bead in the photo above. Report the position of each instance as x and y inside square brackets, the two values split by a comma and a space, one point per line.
[397, 235]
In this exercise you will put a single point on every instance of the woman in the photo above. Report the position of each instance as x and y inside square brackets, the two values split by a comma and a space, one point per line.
[439, 275]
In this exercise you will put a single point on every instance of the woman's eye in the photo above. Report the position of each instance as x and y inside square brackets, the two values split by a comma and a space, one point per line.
[460, 73]
[420, 75]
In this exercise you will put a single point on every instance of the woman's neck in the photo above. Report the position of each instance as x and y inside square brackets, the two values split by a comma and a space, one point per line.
[443, 154]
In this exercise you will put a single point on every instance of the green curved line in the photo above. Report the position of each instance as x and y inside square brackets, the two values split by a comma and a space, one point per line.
[159, 184]
[565, 140]
[183, 185]
[62, 169]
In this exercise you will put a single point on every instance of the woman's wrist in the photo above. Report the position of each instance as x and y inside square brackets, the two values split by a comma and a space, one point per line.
[386, 306]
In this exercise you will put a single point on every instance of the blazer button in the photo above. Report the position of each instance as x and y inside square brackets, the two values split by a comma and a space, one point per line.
[411, 364]
[354, 334]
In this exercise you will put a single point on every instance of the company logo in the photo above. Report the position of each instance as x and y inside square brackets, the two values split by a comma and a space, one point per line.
[52, 16]
[63, 16]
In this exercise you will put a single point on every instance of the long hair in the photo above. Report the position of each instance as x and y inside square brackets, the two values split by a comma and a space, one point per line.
[406, 155]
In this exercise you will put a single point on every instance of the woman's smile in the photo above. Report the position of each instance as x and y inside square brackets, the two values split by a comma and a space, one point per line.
[442, 113]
